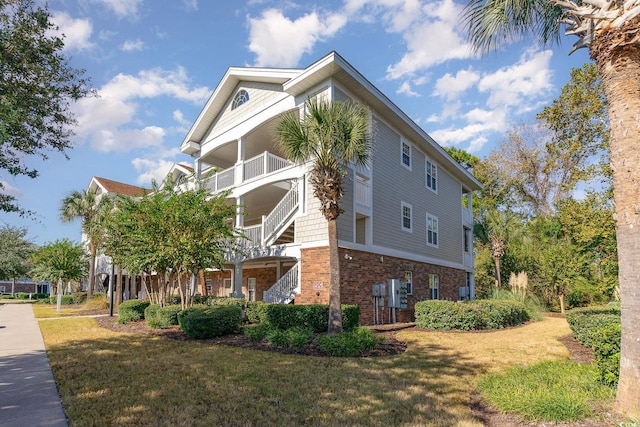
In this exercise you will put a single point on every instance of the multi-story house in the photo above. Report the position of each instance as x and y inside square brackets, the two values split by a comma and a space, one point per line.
[407, 216]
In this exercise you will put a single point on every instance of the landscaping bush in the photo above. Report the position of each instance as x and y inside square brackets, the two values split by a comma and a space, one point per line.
[21, 295]
[98, 301]
[206, 322]
[256, 332]
[470, 315]
[314, 316]
[79, 297]
[65, 300]
[599, 328]
[585, 294]
[132, 310]
[162, 317]
[296, 337]
[349, 344]
[252, 311]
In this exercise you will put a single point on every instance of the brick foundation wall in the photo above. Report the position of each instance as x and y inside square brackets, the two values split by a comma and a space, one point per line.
[359, 270]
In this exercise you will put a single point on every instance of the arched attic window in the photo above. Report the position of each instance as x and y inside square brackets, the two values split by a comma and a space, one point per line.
[241, 97]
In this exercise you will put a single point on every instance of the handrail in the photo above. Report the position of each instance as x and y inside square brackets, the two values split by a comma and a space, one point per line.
[280, 213]
[284, 290]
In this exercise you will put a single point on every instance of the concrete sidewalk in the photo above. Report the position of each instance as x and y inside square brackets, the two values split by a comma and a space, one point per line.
[28, 393]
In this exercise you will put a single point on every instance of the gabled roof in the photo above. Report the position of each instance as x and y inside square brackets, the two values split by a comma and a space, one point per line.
[115, 187]
[296, 82]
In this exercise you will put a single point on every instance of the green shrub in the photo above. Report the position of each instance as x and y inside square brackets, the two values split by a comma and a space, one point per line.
[65, 300]
[79, 297]
[470, 315]
[586, 294]
[296, 337]
[22, 295]
[599, 328]
[132, 310]
[207, 322]
[40, 296]
[348, 344]
[256, 332]
[7, 296]
[162, 317]
[252, 311]
[314, 316]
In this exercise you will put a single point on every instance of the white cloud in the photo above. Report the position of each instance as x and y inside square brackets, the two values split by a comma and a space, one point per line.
[451, 87]
[406, 89]
[132, 45]
[77, 32]
[151, 170]
[530, 77]
[179, 117]
[432, 36]
[107, 140]
[8, 189]
[122, 8]
[279, 41]
[110, 123]
[190, 5]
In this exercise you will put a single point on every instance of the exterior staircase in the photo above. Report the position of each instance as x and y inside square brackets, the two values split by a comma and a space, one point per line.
[285, 289]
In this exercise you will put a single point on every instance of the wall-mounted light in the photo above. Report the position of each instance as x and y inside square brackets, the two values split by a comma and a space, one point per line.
[347, 256]
[381, 259]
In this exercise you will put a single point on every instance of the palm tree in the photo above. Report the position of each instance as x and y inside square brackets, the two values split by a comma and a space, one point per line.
[331, 135]
[93, 211]
[611, 32]
[496, 230]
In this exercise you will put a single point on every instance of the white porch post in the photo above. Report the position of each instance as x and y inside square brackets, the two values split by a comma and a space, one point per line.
[237, 281]
[240, 212]
[239, 166]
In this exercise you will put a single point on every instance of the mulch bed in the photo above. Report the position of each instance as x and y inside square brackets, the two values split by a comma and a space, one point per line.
[486, 414]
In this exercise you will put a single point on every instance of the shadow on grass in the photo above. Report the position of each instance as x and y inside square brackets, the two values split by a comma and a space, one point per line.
[141, 380]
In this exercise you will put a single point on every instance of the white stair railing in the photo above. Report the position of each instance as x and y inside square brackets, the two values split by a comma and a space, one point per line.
[285, 289]
[283, 211]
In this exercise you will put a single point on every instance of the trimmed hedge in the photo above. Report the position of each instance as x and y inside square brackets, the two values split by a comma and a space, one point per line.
[314, 316]
[79, 297]
[132, 310]
[599, 328]
[66, 300]
[162, 317]
[210, 300]
[252, 311]
[349, 344]
[201, 321]
[470, 315]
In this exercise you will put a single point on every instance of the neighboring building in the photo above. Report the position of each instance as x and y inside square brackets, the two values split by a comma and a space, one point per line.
[23, 285]
[132, 287]
[408, 216]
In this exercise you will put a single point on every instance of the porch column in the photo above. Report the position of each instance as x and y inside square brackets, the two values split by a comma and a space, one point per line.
[239, 166]
[237, 281]
[240, 212]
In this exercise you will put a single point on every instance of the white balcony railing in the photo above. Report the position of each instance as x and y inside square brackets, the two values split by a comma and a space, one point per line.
[281, 213]
[285, 289]
[253, 168]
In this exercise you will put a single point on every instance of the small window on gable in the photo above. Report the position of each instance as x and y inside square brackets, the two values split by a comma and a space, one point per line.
[241, 97]
[406, 217]
[406, 155]
[431, 173]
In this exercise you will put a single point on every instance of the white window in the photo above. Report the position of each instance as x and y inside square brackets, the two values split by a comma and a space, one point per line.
[467, 240]
[406, 155]
[433, 286]
[208, 284]
[432, 230]
[2, 289]
[408, 278]
[431, 174]
[407, 223]
[251, 286]
[241, 97]
[227, 287]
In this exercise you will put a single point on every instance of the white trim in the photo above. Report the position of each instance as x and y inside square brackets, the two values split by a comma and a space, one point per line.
[435, 233]
[404, 205]
[431, 178]
[405, 143]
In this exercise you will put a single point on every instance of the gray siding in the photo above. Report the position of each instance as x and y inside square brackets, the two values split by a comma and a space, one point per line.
[394, 184]
[261, 95]
[312, 226]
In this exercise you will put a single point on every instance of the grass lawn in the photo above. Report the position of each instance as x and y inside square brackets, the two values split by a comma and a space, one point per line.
[109, 378]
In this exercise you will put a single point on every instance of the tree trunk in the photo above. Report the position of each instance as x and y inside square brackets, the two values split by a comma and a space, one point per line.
[203, 283]
[619, 69]
[561, 298]
[92, 273]
[496, 262]
[118, 295]
[335, 309]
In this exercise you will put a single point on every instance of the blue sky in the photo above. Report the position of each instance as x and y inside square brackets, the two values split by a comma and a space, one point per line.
[154, 64]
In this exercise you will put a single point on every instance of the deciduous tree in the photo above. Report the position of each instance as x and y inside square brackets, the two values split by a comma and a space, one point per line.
[37, 88]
